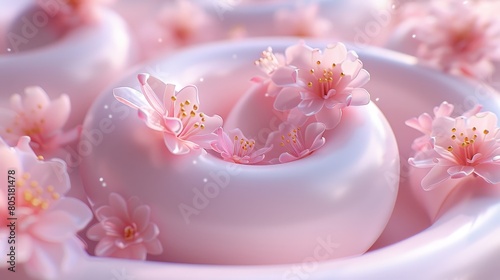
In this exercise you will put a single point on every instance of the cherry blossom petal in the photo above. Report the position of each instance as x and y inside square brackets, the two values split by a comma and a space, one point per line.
[285, 76]
[96, 232]
[141, 215]
[490, 172]
[310, 106]
[359, 96]
[314, 136]
[457, 172]
[330, 117]
[153, 247]
[438, 174]
[287, 99]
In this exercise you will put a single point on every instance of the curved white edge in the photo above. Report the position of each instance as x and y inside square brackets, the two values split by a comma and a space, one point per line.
[462, 244]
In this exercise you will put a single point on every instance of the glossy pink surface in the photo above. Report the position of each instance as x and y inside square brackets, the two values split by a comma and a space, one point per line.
[216, 212]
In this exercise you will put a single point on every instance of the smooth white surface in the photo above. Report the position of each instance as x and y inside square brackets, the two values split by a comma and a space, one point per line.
[255, 212]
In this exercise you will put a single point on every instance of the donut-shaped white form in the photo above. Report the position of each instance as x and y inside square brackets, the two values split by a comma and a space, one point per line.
[466, 235]
[80, 63]
[212, 211]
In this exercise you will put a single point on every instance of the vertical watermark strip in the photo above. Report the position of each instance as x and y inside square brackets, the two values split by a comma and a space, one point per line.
[11, 219]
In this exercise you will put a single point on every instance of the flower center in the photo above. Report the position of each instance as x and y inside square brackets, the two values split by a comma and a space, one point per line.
[35, 195]
[129, 232]
[192, 120]
[29, 125]
[325, 80]
[464, 143]
[268, 61]
[292, 142]
[242, 146]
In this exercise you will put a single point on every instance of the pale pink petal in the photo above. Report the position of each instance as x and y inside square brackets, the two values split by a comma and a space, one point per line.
[173, 125]
[444, 110]
[361, 79]
[78, 211]
[153, 247]
[359, 96]
[457, 172]
[45, 261]
[106, 247]
[96, 232]
[286, 157]
[285, 76]
[314, 136]
[54, 226]
[57, 113]
[149, 93]
[131, 98]
[104, 212]
[436, 175]
[35, 97]
[175, 145]
[150, 232]
[287, 99]
[335, 53]
[311, 106]
[188, 93]
[299, 55]
[141, 216]
[352, 65]
[119, 206]
[490, 172]
[330, 117]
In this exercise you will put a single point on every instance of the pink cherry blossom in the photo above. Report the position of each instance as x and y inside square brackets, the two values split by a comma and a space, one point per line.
[235, 147]
[462, 147]
[302, 21]
[125, 230]
[294, 143]
[319, 83]
[36, 116]
[184, 127]
[424, 123]
[459, 37]
[185, 23]
[47, 222]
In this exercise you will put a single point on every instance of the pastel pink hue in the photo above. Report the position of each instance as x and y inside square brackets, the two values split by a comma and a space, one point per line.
[184, 127]
[235, 147]
[47, 222]
[74, 11]
[295, 142]
[462, 146]
[185, 23]
[424, 123]
[319, 83]
[302, 21]
[36, 116]
[125, 230]
[460, 37]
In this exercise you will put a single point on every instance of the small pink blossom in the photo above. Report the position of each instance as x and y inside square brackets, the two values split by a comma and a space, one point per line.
[125, 230]
[424, 123]
[47, 222]
[294, 142]
[184, 127]
[459, 37]
[185, 23]
[36, 116]
[302, 21]
[461, 147]
[320, 84]
[235, 147]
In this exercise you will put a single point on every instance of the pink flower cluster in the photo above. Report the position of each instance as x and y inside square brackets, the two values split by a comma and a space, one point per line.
[36, 116]
[454, 148]
[459, 37]
[310, 87]
[47, 221]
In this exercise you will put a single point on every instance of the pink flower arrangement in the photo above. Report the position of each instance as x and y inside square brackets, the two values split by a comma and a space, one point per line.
[462, 146]
[294, 143]
[302, 21]
[459, 37]
[184, 127]
[36, 116]
[425, 122]
[125, 230]
[315, 83]
[47, 222]
[235, 147]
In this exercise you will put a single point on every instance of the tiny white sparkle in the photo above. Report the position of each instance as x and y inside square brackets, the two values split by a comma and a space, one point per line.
[104, 185]
[377, 99]
[195, 162]
[106, 106]
[202, 79]
[9, 49]
[160, 40]
[110, 116]
[205, 180]
[101, 179]
[393, 6]
[414, 36]
[266, 95]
